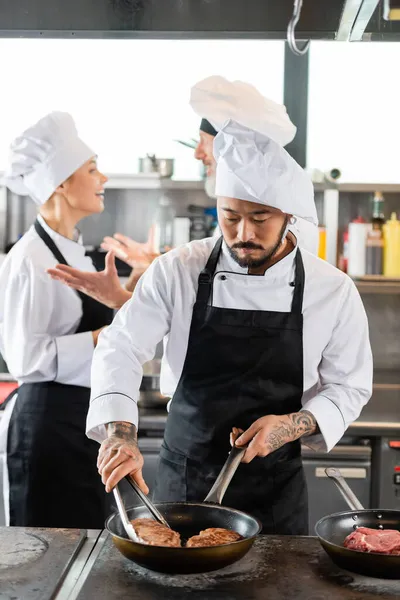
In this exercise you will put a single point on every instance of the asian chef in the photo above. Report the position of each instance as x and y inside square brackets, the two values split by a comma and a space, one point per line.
[48, 333]
[264, 343]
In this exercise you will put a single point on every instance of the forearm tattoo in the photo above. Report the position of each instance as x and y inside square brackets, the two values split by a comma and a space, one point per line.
[303, 424]
[124, 430]
[290, 428]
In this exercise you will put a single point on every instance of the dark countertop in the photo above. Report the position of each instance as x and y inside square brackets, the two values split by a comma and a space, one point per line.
[33, 561]
[276, 568]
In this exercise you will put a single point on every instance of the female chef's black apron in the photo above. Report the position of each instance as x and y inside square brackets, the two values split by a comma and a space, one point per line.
[52, 470]
[240, 365]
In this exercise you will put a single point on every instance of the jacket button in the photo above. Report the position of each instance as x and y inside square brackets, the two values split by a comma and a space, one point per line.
[223, 277]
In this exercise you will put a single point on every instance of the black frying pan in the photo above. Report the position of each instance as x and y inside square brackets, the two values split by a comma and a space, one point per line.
[333, 529]
[189, 518]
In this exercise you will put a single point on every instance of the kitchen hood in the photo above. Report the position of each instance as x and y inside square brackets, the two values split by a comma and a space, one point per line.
[346, 20]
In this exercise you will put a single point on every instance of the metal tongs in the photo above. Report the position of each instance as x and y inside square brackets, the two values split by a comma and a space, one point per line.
[215, 495]
[130, 531]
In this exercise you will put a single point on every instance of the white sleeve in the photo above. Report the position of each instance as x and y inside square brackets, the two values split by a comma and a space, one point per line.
[123, 348]
[345, 373]
[31, 352]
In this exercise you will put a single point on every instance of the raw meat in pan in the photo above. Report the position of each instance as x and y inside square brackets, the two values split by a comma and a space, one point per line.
[214, 536]
[154, 534]
[382, 541]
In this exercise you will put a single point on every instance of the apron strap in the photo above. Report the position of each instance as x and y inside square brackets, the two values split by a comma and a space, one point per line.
[297, 302]
[206, 276]
[52, 246]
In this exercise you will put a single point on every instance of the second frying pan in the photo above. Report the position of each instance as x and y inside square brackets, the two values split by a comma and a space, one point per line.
[333, 529]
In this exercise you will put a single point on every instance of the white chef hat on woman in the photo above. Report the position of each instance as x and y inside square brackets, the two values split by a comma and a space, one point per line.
[44, 156]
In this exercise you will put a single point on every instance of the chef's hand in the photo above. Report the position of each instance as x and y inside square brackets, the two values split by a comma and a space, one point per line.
[119, 455]
[138, 256]
[272, 432]
[103, 286]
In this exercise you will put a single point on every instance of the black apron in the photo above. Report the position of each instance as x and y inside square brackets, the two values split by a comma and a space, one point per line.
[240, 365]
[53, 476]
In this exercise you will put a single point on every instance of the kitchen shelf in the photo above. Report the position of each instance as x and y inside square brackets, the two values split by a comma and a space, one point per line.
[148, 181]
[377, 284]
[388, 188]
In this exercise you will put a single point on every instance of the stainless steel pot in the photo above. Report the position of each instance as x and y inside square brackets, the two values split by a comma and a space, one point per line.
[164, 167]
[150, 395]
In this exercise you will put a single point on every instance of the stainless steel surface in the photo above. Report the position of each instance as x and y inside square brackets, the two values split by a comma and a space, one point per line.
[223, 480]
[367, 9]
[130, 532]
[348, 472]
[164, 167]
[344, 489]
[69, 586]
[34, 562]
[355, 18]
[147, 502]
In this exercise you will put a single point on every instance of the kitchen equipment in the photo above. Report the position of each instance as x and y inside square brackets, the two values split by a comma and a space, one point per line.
[278, 567]
[129, 529]
[353, 457]
[149, 394]
[189, 518]
[333, 529]
[164, 167]
[34, 562]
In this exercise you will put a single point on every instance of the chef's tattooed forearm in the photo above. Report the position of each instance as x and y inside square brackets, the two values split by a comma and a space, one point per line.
[279, 436]
[303, 424]
[124, 430]
[289, 428]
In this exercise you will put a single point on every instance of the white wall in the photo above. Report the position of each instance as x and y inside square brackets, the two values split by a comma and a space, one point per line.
[128, 97]
[354, 110]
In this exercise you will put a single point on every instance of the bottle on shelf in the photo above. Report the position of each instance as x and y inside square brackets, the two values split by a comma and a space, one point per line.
[374, 242]
[164, 224]
[378, 215]
[322, 242]
[358, 231]
[391, 251]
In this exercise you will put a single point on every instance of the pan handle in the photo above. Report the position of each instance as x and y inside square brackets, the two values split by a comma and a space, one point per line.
[220, 486]
[344, 488]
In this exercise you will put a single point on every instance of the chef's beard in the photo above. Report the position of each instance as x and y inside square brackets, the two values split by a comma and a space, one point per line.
[209, 186]
[253, 263]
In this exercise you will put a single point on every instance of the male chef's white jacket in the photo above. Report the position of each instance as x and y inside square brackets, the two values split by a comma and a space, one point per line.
[337, 353]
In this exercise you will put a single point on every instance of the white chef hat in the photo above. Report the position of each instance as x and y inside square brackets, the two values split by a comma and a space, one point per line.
[255, 167]
[44, 156]
[217, 99]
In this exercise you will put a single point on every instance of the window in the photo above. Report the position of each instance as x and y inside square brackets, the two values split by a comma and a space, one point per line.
[128, 97]
[353, 118]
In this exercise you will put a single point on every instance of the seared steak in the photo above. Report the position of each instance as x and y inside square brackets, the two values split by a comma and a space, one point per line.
[154, 534]
[214, 536]
[382, 541]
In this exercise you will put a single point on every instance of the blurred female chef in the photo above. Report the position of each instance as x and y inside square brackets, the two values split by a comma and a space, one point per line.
[48, 333]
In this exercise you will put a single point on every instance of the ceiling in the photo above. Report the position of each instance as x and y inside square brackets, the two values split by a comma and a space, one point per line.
[173, 19]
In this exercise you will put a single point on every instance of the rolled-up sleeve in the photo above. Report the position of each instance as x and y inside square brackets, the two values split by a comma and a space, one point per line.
[123, 348]
[345, 373]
